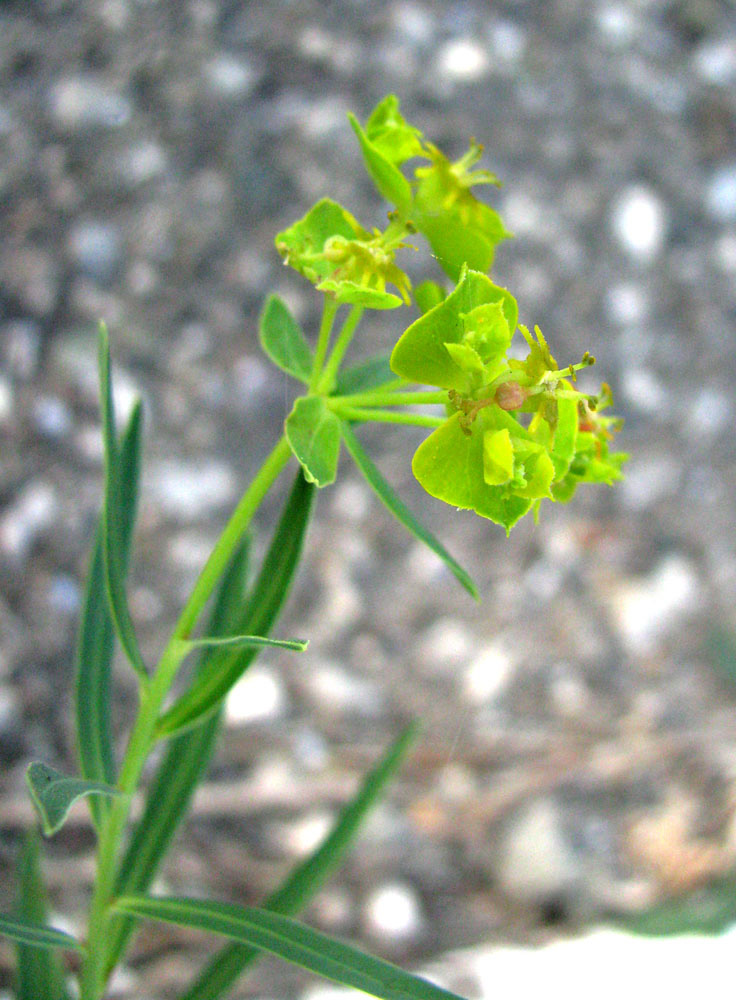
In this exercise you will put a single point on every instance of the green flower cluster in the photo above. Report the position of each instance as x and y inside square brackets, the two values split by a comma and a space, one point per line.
[517, 431]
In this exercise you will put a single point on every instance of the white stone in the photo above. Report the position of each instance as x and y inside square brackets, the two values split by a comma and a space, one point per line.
[230, 77]
[34, 512]
[638, 221]
[508, 41]
[643, 390]
[463, 59]
[720, 194]
[715, 61]
[626, 304]
[534, 860]
[487, 674]
[257, 696]
[393, 911]
[187, 489]
[645, 608]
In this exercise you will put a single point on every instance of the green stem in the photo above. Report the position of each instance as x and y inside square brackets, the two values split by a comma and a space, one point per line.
[365, 415]
[329, 312]
[228, 540]
[327, 379]
[142, 736]
[382, 398]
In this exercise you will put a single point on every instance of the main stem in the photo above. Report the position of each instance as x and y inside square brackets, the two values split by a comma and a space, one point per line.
[152, 694]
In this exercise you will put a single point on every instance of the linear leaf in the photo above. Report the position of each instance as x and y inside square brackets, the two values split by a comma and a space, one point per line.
[283, 341]
[364, 376]
[115, 497]
[292, 941]
[269, 594]
[308, 877]
[188, 754]
[96, 640]
[39, 972]
[399, 509]
[37, 935]
[245, 641]
[54, 793]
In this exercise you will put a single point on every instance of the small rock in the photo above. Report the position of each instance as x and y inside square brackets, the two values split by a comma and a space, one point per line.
[638, 221]
[393, 912]
[259, 695]
[52, 417]
[535, 863]
[463, 60]
[720, 194]
[96, 249]
[79, 102]
[32, 514]
[186, 490]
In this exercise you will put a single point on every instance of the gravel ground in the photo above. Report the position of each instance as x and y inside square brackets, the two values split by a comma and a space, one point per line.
[580, 756]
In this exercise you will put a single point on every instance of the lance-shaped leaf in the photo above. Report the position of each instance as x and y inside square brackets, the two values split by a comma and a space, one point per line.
[115, 498]
[400, 511]
[421, 354]
[185, 760]
[54, 793]
[37, 935]
[313, 433]
[306, 879]
[96, 640]
[268, 596]
[39, 972]
[245, 642]
[291, 941]
[364, 376]
[283, 341]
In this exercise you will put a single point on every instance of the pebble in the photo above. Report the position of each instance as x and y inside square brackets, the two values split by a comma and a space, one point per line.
[188, 489]
[720, 194]
[336, 690]
[638, 221]
[96, 249]
[627, 304]
[6, 401]
[81, 102]
[645, 608]
[258, 696]
[714, 61]
[488, 674]
[392, 912]
[229, 77]
[649, 479]
[445, 645]
[534, 861]
[463, 60]
[52, 417]
[33, 512]
[21, 340]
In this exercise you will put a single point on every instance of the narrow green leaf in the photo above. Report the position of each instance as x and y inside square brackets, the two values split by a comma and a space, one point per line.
[188, 754]
[399, 509]
[37, 935]
[53, 793]
[387, 177]
[185, 761]
[39, 971]
[264, 604]
[364, 376]
[283, 341]
[244, 641]
[116, 497]
[308, 877]
[313, 433]
[291, 941]
[96, 640]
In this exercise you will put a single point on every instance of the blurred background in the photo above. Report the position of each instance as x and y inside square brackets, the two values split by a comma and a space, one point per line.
[579, 757]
